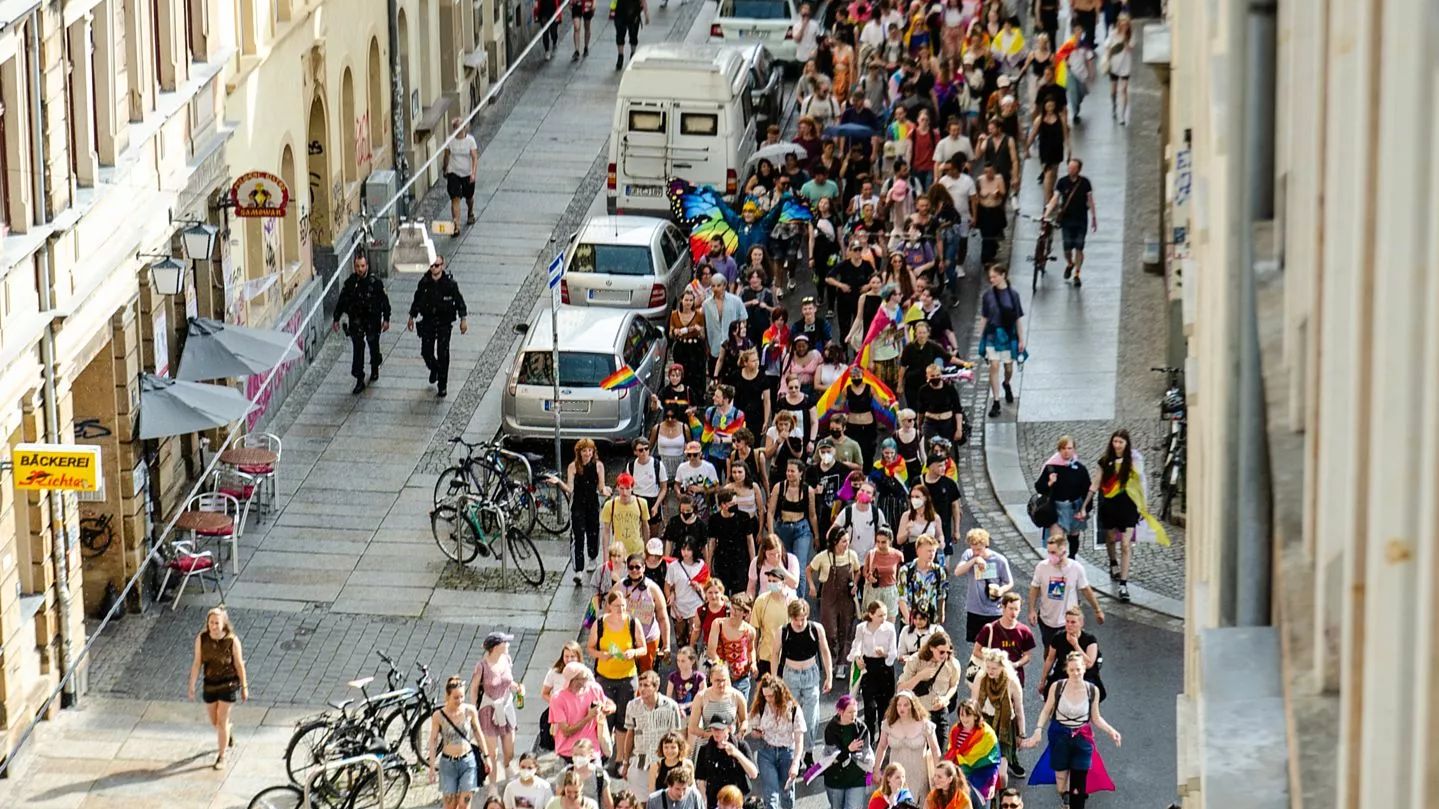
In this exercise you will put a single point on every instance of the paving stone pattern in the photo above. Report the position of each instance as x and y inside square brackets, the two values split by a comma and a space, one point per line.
[292, 658]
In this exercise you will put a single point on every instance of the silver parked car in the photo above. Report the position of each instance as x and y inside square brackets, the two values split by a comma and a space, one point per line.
[627, 262]
[594, 343]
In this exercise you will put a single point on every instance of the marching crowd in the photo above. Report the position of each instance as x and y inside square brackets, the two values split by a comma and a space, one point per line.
[791, 528]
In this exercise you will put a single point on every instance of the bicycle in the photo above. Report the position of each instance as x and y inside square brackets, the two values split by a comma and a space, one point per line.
[507, 477]
[1172, 410]
[351, 783]
[315, 739]
[470, 525]
[1043, 243]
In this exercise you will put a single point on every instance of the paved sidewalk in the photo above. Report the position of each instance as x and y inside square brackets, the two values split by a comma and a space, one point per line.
[1091, 348]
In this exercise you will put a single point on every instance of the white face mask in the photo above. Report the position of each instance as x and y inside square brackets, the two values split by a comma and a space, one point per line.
[826, 457]
[917, 502]
[776, 586]
[527, 773]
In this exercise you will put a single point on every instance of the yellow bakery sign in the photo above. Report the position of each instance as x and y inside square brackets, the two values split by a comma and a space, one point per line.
[73, 467]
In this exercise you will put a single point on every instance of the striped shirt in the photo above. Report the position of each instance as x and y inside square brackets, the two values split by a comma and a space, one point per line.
[649, 724]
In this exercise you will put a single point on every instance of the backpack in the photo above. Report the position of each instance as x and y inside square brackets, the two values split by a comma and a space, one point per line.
[848, 512]
[655, 468]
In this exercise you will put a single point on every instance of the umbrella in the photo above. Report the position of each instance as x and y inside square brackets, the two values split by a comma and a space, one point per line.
[171, 407]
[775, 153]
[849, 131]
[215, 350]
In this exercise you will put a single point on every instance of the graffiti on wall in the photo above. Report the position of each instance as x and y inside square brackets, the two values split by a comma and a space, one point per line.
[91, 429]
[291, 371]
[363, 154]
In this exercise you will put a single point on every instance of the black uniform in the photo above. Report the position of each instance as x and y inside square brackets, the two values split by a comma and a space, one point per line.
[363, 299]
[437, 303]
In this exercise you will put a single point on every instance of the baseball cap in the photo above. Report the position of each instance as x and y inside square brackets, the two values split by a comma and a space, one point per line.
[655, 548]
[899, 190]
[774, 573]
[717, 723]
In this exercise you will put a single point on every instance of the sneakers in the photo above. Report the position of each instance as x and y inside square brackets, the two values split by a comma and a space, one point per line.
[1016, 770]
[440, 394]
[1078, 282]
[575, 57]
[1124, 591]
[470, 220]
[1113, 570]
[1068, 271]
[359, 385]
[994, 409]
[434, 377]
[789, 287]
[374, 374]
[1008, 394]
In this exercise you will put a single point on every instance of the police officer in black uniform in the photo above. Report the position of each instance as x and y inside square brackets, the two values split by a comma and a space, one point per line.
[437, 303]
[363, 298]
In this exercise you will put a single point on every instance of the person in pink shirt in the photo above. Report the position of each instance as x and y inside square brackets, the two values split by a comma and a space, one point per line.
[579, 711]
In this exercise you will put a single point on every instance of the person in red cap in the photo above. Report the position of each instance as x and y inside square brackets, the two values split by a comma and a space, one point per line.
[625, 518]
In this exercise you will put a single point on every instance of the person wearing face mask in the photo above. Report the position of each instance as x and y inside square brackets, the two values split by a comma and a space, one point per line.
[528, 791]
[824, 478]
[846, 450]
[918, 520]
[858, 399]
[731, 547]
[941, 481]
[938, 400]
[1056, 586]
[863, 520]
[685, 528]
[771, 611]
[588, 769]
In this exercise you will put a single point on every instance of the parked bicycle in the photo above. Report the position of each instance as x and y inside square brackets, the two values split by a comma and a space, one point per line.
[357, 781]
[1172, 410]
[396, 717]
[468, 525]
[500, 475]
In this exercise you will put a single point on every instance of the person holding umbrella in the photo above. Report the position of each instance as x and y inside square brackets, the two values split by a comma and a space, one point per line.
[437, 302]
[363, 298]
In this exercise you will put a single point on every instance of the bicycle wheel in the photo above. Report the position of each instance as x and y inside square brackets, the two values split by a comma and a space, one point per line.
[526, 557]
[306, 750]
[278, 797]
[395, 728]
[363, 791]
[454, 534]
[552, 506]
[519, 501]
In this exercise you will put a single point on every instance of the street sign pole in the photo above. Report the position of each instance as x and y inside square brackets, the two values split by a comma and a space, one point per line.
[556, 272]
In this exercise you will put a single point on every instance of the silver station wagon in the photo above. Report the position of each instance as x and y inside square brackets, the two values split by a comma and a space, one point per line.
[627, 262]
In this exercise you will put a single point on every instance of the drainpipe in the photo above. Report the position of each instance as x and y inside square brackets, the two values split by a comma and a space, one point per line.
[397, 106]
[59, 536]
[1255, 540]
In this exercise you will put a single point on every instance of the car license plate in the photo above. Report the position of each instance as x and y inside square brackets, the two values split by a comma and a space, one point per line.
[643, 190]
[609, 295]
[567, 406]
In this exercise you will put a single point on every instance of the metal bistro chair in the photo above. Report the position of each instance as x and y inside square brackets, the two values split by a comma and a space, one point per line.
[223, 532]
[184, 560]
[267, 475]
[244, 488]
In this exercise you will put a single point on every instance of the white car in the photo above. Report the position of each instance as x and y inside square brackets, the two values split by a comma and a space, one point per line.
[767, 22]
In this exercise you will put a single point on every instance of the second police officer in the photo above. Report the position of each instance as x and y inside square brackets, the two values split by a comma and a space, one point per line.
[363, 298]
[437, 303]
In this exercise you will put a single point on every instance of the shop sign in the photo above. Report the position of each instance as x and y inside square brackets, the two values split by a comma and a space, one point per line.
[161, 336]
[71, 467]
[259, 193]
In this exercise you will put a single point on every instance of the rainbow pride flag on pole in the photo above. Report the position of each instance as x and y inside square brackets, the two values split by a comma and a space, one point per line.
[620, 379]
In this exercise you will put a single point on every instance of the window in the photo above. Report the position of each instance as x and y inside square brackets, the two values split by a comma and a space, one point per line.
[693, 123]
[673, 248]
[195, 12]
[761, 9]
[577, 369]
[638, 343]
[647, 121]
[4, 164]
[612, 259]
[84, 112]
[249, 25]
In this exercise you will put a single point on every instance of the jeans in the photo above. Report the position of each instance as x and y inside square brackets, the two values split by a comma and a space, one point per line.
[774, 763]
[1076, 91]
[435, 350]
[805, 684]
[954, 254]
[798, 539]
[742, 685]
[851, 798]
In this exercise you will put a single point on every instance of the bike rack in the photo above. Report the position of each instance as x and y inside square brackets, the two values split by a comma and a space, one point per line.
[368, 760]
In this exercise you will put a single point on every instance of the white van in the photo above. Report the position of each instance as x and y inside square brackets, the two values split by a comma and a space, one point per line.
[683, 111]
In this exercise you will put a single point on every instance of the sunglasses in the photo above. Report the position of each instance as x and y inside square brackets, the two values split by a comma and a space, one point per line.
[692, 454]
[642, 448]
[437, 264]
[635, 567]
[806, 299]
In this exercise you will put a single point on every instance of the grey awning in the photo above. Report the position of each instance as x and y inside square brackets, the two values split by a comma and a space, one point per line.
[215, 350]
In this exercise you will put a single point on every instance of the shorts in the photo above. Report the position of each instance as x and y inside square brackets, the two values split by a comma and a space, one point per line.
[580, 11]
[627, 27]
[1072, 235]
[458, 775]
[459, 187]
[1070, 749]
[221, 692]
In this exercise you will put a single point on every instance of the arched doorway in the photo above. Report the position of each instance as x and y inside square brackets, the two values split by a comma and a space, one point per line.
[349, 129]
[290, 237]
[318, 165]
[379, 123]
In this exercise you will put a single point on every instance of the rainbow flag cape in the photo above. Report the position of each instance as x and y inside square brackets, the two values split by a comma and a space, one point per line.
[829, 400]
[775, 339]
[898, 470]
[913, 314]
[1135, 489]
[1061, 61]
[883, 402]
[620, 379]
[882, 320]
[976, 752]
[697, 428]
[1099, 781]
[721, 424]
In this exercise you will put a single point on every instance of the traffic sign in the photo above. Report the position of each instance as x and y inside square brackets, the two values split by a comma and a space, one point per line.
[556, 269]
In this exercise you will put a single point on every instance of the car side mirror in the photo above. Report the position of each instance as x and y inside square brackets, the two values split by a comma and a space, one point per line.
[522, 328]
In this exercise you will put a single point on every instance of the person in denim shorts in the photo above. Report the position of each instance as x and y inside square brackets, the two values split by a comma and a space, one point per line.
[454, 736]
[1073, 202]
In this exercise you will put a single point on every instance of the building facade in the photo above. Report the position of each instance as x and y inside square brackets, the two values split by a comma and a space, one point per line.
[1303, 208]
[121, 123]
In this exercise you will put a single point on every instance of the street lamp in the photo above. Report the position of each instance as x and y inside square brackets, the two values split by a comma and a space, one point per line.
[168, 275]
[199, 241]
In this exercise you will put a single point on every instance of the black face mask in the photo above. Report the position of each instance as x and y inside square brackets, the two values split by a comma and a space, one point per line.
[936, 382]
[837, 433]
[687, 516]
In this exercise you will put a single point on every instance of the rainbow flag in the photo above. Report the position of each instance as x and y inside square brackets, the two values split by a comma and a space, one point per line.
[721, 424]
[775, 338]
[696, 428]
[898, 470]
[829, 400]
[1061, 61]
[976, 752]
[882, 403]
[620, 379]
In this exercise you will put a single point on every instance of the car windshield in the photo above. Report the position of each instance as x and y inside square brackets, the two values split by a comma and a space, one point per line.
[577, 370]
[760, 9]
[612, 259]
